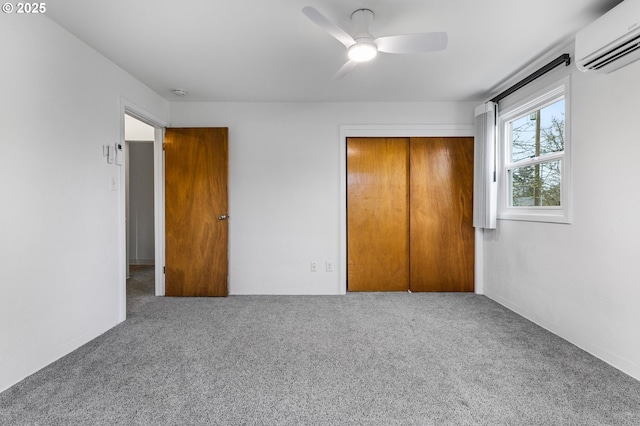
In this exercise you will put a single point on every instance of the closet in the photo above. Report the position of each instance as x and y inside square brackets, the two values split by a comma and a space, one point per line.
[409, 214]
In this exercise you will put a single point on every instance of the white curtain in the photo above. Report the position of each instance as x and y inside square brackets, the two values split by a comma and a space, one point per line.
[485, 167]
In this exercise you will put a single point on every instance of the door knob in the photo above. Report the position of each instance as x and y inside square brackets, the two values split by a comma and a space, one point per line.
[223, 217]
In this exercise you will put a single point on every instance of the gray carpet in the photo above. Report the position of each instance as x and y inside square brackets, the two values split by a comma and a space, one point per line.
[359, 359]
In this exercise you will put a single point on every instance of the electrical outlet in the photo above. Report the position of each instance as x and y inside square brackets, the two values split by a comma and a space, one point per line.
[314, 266]
[328, 266]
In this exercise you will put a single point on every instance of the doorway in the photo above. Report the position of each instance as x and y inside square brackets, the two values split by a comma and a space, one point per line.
[139, 196]
[128, 109]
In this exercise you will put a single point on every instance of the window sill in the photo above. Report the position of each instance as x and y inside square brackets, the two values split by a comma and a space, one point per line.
[542, 215]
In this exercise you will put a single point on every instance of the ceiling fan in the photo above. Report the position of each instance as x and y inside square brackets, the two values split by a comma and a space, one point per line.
[363, 47]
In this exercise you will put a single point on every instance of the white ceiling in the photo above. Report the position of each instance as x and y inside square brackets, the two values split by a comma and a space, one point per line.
[267, 50]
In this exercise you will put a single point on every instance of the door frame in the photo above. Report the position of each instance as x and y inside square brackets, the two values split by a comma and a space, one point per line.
[401, 130]
[130, 108]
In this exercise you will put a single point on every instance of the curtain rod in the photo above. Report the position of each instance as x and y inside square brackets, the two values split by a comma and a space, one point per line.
[562, 59]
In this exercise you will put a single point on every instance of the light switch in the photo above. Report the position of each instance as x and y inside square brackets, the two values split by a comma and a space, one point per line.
[110, 151]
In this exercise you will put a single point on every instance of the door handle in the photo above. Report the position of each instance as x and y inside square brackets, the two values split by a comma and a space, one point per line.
[223, 217]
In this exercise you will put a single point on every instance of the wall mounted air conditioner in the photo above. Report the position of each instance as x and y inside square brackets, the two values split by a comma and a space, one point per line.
[612, 41]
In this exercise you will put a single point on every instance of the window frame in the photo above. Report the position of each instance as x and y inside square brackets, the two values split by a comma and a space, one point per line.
[528, 105]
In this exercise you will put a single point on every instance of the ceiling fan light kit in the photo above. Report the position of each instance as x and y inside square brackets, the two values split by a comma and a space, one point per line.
[362, 46]
[362, 51]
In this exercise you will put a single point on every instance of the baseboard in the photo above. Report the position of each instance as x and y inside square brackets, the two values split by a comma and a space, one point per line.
[626, 366]
[45, 358]
[141, 261]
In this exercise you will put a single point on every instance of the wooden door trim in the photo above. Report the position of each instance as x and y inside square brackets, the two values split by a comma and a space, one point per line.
[393, 130]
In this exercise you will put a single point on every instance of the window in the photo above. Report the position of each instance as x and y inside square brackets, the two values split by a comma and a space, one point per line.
[534, 152]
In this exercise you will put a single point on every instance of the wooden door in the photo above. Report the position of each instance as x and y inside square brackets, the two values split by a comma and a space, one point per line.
[196, 195]
[441, 214]
[377, 214]
[409, 214]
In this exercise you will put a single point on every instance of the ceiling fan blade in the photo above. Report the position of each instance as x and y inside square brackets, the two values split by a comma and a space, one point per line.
[348, 66]
[412, 43]
[324, 23]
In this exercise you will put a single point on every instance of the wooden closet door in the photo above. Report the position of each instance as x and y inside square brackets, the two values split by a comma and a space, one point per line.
[377, 214]
[442, 234]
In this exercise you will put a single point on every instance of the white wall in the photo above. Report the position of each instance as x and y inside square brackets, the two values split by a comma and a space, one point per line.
[582, 281]
[61, 234]
[141, 245]
[284, 172]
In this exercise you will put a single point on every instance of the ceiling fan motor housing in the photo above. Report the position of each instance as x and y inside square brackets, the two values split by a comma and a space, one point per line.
[362, 19]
